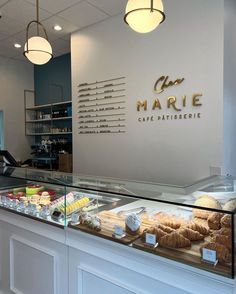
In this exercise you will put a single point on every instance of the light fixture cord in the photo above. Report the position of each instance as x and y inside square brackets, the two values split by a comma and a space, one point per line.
[151, 6]
[37, 15]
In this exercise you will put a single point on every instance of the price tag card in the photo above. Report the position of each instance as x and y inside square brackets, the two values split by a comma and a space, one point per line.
[4, 199]
[118, 232]
[151, 240]
[22, 206]
[209, 256]
[8, 201]
[74, 218]
[14, 203]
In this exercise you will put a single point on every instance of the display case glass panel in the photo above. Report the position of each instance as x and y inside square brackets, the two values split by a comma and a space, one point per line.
[192, 224]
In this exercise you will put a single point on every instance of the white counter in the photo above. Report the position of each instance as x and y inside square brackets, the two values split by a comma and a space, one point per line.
[37, 258]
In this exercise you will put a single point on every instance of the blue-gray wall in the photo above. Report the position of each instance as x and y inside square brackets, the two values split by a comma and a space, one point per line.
[53, 80]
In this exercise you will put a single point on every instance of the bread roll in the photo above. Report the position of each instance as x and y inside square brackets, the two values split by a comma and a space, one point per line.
[208, 202]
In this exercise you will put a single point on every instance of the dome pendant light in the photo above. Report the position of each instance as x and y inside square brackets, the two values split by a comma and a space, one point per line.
[143, 16]
[37, 49]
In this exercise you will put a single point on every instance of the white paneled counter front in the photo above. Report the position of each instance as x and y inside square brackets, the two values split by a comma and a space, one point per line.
[37, 258]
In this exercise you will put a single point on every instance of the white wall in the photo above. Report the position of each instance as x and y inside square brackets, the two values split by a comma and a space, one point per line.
[188, 44]
[230, 88]
[15, 77]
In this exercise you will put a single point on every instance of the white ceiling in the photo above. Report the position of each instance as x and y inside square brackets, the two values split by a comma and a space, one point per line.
[72, 15]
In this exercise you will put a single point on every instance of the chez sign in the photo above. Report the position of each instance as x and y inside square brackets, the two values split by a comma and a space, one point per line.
[175, 106]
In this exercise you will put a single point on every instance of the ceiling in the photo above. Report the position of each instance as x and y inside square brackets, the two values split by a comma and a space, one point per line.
[72, 15]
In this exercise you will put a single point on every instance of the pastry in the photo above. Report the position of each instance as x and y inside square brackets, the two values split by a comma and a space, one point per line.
[201, 221]
[44, 193]
[33, 189]
[155, 231]
[92, 222]
[85, 218]
[213, 220]
[223, 240]
[190, 234]
[223, 231]
[208, 202]
[197, 227]
[60, 202]
[44, 200]
[165, 228]
[174, 240]
[96, 223]
[226, 221]
[132, 224]
[75, 205]
[222, 252]
[24, 199]
[35, 197]
[230, 205]
[169, 220]
[17, 190]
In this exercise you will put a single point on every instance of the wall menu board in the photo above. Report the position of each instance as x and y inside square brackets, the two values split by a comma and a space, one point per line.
[102, 107]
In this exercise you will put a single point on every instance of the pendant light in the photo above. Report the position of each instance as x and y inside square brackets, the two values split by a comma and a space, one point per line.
[143, 16]
[37, 49]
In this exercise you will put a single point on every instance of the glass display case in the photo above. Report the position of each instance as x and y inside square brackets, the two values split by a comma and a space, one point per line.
[193, 224]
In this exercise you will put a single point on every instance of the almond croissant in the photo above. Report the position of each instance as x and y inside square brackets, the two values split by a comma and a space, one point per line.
[174, 240]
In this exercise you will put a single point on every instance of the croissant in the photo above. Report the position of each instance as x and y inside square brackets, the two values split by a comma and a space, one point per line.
[174, 240]
[155, 231]
[223, 231]
[169, 220]
[190, 234]
[201, 221]
[165, 228]
[223, 240]
[226, 221]
[214, 220]
[199, 228]
[223, 253]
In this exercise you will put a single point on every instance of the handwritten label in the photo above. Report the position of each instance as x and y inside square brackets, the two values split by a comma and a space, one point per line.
[151, 239]
[209, 255]
[119, 231]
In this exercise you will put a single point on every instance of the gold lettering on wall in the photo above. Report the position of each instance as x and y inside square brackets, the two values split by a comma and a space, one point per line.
[174, 103]
[162, 83]
[156, 104]
[196, 100]
[142, 104]
[171, 102]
